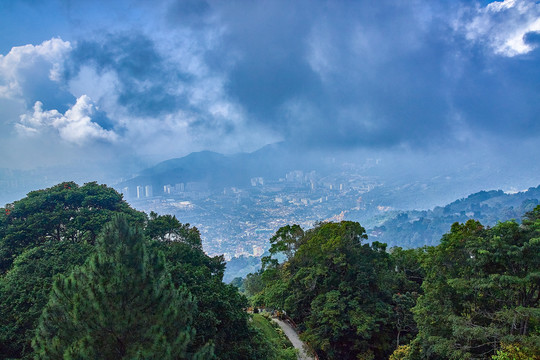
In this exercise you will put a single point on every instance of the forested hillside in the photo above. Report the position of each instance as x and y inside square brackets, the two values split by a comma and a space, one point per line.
[415, 228]
[83, 275]
[474, 296]
[139, 287]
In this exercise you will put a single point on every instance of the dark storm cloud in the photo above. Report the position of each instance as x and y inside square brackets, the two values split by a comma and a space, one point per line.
[144, 78]
[37, 86]
[320, 74]
[339, 74]
[187, 12]
[270, 40]
[501, 95]
[378, 92]
[100, 117]
[347, 74]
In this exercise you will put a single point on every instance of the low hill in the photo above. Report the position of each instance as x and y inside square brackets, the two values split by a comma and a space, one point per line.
[213, 171]
[417, 228]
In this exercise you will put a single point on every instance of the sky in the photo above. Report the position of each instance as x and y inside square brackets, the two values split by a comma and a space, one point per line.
[144, 81]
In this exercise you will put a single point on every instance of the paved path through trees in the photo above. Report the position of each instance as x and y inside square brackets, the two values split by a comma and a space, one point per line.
[295, 340]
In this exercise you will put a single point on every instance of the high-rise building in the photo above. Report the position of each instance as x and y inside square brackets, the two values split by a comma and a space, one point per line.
[148, 191]
[257, 181]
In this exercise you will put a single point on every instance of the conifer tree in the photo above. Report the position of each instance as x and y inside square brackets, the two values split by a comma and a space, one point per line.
[121, 304]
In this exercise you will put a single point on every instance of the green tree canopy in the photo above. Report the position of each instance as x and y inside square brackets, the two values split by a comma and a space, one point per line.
[334, 286]
[65, 212]
[121, 304]
[167, 228]
[220, 316]
[482, 289]
[33, 257]
[47, 233]
[24, 291]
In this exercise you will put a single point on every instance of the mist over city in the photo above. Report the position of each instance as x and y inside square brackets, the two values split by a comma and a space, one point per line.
[410, 104]
[270, 180]
[141, 83]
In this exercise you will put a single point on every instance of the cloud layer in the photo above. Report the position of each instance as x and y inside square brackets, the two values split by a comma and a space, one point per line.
[75, 126]
[30, 73]
[505, 26]
[182, 76]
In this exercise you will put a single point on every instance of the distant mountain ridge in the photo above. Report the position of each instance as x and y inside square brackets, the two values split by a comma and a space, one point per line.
[219, 170]
[409, 229]
[417, 228]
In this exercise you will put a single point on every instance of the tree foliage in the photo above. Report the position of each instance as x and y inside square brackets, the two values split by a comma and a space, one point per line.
[24, 292]
[482, 289]
[167, 228]
[474, 296]
[47, 233]
[333, 285]
[65, 212]
[121, 304]
[220, 316]
[33, 255]
[516, 352]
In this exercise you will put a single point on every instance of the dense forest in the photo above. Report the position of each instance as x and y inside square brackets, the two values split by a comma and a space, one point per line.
[474, 296]
[83, 275]
[416, 228]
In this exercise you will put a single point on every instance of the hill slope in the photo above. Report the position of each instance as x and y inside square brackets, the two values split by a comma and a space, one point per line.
[417, 228]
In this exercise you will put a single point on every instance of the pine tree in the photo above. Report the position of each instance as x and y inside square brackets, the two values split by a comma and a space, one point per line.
[121, 304]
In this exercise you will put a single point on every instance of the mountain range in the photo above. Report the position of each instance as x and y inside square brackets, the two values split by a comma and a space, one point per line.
[416, 228]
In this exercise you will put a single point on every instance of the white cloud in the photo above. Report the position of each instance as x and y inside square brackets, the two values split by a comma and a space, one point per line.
[503, 25]
[19, 67]
[101, 87]
[75, 126]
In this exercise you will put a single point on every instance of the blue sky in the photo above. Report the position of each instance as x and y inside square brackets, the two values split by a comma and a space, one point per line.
[154, 80]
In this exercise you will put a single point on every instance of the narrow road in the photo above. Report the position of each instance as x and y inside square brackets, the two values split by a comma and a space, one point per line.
[295, 340]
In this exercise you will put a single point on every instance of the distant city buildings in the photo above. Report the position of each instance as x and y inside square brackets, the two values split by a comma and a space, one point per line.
[295, 176]
[238, 220]
[196, 186]
[148, 191]
[141, 192]
[256, 181]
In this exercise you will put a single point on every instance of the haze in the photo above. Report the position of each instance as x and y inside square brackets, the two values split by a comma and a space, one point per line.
[99, 90]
